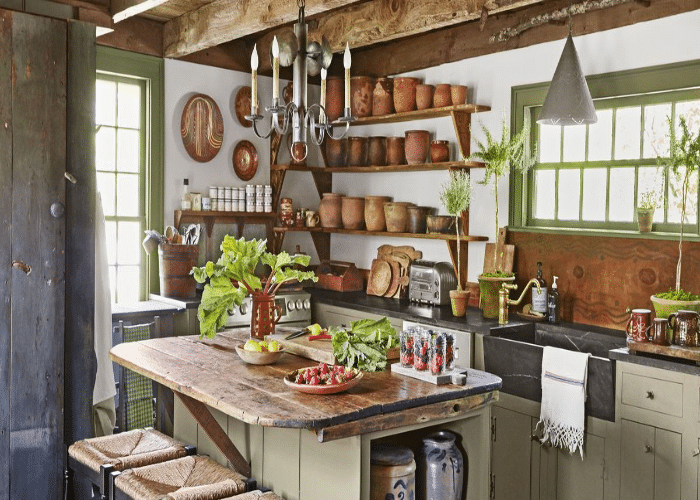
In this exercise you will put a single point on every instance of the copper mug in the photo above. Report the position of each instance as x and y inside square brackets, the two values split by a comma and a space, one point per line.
[637, 325]
[659, 333]
[685, 328]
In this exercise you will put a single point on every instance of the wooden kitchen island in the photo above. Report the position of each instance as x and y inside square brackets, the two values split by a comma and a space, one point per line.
[303, 446]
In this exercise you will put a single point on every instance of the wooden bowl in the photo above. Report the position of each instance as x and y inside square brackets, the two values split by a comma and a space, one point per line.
[441, 224]
[258, 358]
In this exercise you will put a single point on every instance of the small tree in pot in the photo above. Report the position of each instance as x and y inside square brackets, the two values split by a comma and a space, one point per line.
[455, 196]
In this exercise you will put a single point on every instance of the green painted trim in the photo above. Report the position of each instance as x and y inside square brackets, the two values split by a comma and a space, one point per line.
[151, 69]
[606, 233]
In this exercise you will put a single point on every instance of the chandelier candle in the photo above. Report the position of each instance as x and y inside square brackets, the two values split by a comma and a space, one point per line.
[275, 69]
[254, 81]
[322, 113]
[346, 64]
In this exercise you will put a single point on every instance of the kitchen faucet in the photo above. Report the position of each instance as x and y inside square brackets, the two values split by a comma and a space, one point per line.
[504, 301]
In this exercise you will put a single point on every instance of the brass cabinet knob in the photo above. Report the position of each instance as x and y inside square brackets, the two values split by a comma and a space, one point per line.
[650, 395]
[648, 449]
[696, 452]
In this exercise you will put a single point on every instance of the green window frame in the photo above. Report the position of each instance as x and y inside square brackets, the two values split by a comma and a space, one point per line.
[148, 73]
[641, 91]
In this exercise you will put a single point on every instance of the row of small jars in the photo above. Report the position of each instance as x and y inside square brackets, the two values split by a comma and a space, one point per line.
[414, 148]
[250, 198]
[424, 349]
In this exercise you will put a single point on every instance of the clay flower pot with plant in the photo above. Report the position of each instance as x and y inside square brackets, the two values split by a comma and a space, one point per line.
[499, 157]
[233, 277]
[455, 196]
[684, 160]
[647, 204]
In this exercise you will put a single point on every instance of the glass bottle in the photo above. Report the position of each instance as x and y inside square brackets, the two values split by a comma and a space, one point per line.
[185, 202]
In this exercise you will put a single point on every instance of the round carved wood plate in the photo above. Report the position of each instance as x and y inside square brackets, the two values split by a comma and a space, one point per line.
[202, 128]
[245, 160]
[243, 99]
[322, 389]
[380, 277]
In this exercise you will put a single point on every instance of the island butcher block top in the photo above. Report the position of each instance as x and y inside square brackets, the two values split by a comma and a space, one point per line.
[212, 373]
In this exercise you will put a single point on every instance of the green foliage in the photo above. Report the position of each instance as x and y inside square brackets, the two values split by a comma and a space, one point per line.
[497, 274]
[233, 277]
[680, 295]
[649, 200]
[364, 345]
[455, 194]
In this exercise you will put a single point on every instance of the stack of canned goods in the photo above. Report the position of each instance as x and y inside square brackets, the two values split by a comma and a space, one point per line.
[249, 198]
[423, 349]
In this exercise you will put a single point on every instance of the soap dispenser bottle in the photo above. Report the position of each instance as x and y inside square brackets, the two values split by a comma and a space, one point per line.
[553, 304]
[539, 300]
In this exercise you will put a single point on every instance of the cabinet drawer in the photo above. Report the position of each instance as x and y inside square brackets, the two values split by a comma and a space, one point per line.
[661, 396]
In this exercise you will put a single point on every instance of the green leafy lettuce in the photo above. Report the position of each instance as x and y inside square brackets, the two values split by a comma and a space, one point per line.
[364, 345]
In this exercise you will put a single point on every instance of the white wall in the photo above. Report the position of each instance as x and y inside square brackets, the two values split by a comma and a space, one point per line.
[490, 78]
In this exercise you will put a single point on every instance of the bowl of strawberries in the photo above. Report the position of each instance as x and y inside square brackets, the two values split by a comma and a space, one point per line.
[323, 379]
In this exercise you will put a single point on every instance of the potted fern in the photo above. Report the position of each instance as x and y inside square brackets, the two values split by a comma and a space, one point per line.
[455, 196]
[684, 161]
[499, 157]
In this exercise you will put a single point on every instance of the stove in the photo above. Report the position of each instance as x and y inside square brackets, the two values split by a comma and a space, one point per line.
[296, 310]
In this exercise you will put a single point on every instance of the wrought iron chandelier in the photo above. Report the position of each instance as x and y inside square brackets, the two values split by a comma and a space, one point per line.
[308, 58]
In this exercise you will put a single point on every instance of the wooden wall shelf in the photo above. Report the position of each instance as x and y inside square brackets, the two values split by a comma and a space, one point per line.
[421, 114]
[419, 167]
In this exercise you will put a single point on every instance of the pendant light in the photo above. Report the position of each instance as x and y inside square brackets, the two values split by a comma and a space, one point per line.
[568, 100]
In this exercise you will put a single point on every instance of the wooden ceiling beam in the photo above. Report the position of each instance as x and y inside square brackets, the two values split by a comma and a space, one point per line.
[123, 9]
[225, 20]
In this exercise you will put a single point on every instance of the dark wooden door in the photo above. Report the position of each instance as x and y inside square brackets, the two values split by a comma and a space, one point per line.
[37, 148]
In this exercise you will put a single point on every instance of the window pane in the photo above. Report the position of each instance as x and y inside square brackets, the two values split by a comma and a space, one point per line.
[627, 133]
[105, 147]
[129, 105]
[594, 191]
[128, 195]
[129, 243]
[128, 150]
[675, 202]
[550, 143]
[111, 232]
[106, 105]
[622, 194]
[600, 137]
[105, 185]
[656, 139]
[128, 279]
[544, 194]
[691, 111]
[113, 282]
[650, 180]
[569, 194]
[574, 143]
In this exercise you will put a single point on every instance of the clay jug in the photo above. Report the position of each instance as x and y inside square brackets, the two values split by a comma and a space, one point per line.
[405, 93]
[361, 88]
[417, 146]
[395, 151]
[459, 94]
[396, 214]
[442, 96]
[336, 152]
[265, 315]
[357, 151]
[439, 151]
[442, 467]
[377, 151]
[329, 210]
[383, 97]
[374, 212]
[424, 95]
[335, 98]
[353, 212]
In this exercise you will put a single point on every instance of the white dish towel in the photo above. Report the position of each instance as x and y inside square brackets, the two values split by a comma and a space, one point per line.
[564, 377]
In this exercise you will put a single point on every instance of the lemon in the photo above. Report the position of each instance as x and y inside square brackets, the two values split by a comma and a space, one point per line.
[315, 329]
[252, 345]
[273, 346]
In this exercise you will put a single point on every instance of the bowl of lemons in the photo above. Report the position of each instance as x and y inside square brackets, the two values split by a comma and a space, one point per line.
[259, 352]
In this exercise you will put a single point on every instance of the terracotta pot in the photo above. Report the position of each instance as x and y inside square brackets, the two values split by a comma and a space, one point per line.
[459, 300]
[417, 146]
[424, 95]
[265, 315]
[383, 97]
[441, 224]
[396, 215]
[405, 93]
[357, 151]
[377, 151]
[374, 212]
[361, 88]
[329, 210]
[439, 151]
[442, 96]
[353, 212]
[395, 150]
[335, 98]
[336, 152]
[459, 94]
[416, 222]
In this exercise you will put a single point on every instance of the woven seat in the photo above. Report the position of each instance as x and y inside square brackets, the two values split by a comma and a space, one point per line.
[188, 478]
[254, 495]
[96, 458]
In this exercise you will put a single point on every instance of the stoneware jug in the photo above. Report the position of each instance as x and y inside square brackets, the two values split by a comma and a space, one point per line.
[442, 467]
[685, 328]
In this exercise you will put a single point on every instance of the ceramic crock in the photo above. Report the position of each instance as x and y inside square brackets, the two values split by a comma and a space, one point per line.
[417, 145]
[329, 210]
[361, 88]
[405, 93]
[442, 467]
[392, 472]
[352, 212]
[383, 97]
[335, 97]
[374, 212]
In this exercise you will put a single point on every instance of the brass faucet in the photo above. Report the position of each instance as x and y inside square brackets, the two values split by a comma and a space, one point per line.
[504, 301]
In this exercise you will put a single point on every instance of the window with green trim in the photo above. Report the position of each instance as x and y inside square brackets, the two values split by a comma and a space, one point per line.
[593, 177]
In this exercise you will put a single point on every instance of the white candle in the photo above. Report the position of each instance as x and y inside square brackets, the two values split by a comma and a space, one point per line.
[275, 69]
[323, 94]
[346, 64]
[254, 80]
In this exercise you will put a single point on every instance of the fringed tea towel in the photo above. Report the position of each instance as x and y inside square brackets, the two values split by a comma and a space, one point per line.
[564, 376]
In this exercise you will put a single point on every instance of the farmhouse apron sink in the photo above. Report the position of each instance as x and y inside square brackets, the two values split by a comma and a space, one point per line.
[515, 354]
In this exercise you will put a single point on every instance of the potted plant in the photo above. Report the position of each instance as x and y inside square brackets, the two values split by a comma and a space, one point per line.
[233, 277]
[499, 157]
[684, 160]
[647, 204]
[455, 196]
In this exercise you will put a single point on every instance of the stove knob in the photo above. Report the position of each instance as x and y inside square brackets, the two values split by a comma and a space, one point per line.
[300, 305]
[307, 304]
[244, 308]
[290, 305]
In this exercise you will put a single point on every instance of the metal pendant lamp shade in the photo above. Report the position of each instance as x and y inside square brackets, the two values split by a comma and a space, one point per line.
[568, 101]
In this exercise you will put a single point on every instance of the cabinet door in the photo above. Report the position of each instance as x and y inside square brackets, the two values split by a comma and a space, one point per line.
[582, 479]
[511, 449]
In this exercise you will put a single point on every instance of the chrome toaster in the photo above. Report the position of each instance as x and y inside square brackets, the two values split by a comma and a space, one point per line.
[431, 282]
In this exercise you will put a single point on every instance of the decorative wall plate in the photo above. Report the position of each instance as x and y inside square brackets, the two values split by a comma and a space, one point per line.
[243, 98]
[202, 128]
[245, 160]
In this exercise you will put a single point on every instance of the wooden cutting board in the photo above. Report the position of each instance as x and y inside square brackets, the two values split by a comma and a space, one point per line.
[499, 255]
[317, 350]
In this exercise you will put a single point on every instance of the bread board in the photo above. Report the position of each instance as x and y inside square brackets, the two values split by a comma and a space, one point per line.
[673, 351]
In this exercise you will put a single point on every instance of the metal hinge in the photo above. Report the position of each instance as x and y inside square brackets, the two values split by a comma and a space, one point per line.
[493, 429]
[492, 487]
